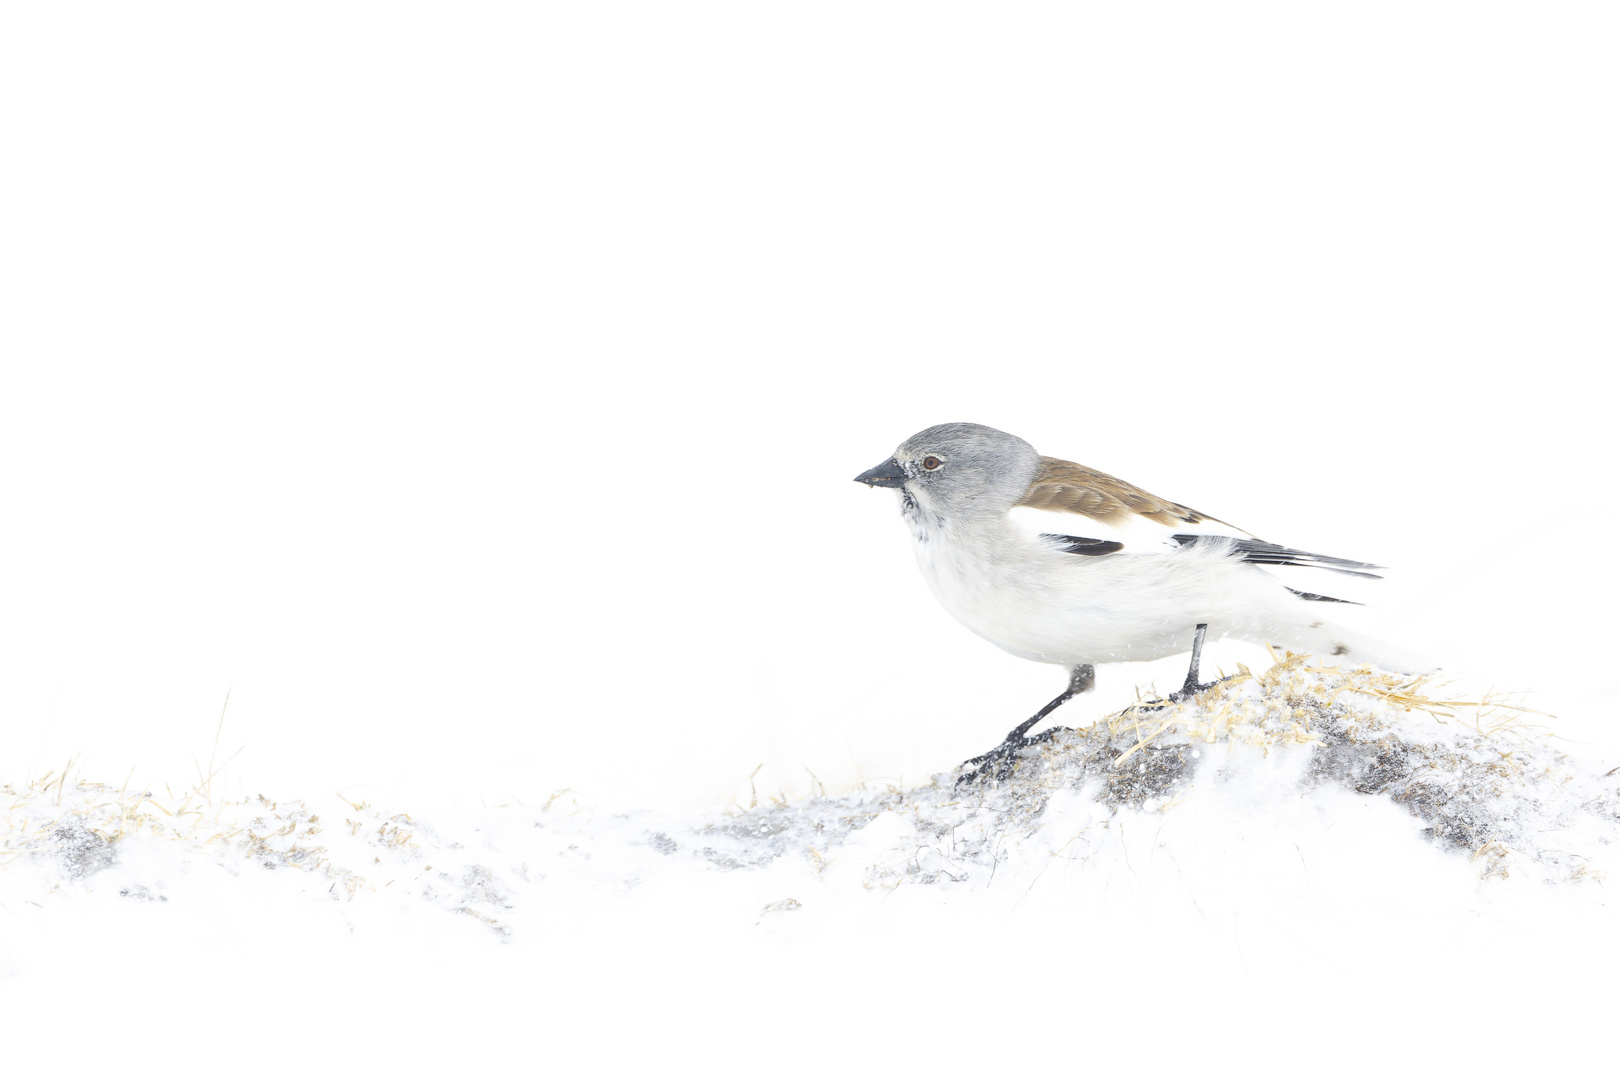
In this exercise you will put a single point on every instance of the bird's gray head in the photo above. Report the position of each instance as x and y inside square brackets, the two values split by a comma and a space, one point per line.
[957, 469]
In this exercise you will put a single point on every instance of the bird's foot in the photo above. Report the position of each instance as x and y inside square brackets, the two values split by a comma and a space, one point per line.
[1188, 691]
[1000, 762]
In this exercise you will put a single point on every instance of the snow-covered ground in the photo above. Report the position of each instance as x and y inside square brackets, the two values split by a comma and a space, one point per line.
[438, 628]
[1296, 852]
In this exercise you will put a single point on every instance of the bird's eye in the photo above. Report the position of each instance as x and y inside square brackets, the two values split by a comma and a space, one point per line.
[931, 463]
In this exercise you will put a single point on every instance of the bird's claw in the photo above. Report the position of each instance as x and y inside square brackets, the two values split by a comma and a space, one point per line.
[1187, 692]
[1004, 758]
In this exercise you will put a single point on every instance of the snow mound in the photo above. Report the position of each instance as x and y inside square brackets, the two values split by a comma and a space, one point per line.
[1478, 779]
[1282, 758]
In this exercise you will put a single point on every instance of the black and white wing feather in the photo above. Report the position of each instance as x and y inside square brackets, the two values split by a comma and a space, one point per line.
[1085, 512]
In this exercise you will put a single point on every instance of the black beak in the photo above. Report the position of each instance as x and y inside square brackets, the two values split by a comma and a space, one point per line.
[888, 474]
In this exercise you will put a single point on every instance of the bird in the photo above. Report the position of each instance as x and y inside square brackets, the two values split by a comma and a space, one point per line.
[1062, 564]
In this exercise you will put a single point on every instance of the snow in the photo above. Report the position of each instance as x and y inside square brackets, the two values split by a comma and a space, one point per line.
[464, 401]
[1305, 821]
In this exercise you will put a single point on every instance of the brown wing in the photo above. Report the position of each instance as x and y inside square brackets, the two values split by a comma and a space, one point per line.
[1063, 485]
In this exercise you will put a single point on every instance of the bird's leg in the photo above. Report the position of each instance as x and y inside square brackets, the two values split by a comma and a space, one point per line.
[1004, 757]
[1192, 686]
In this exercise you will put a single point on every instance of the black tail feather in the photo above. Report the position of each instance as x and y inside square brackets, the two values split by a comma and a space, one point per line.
[1258, 551]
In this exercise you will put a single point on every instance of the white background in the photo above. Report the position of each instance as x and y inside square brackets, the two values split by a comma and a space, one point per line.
[473, 392]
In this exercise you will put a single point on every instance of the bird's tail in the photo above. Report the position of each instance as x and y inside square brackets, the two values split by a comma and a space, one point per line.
[1338, 644]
